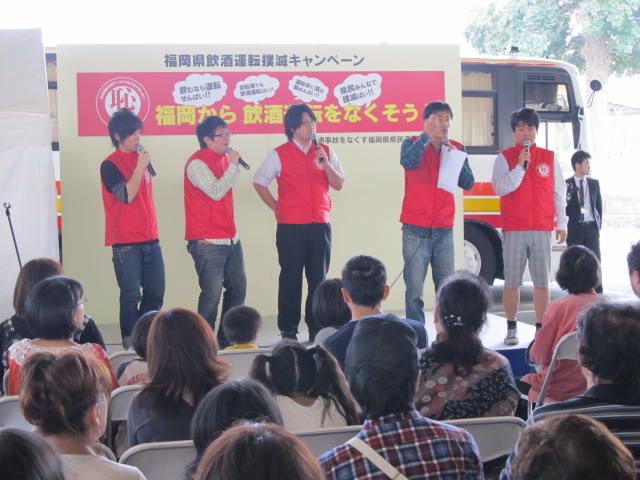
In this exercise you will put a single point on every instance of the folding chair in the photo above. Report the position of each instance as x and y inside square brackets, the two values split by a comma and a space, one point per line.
[495, 436]
[240, 361]
[119, 408]
[325, 439]
[118, 358]
[11, 414]
[161, 460]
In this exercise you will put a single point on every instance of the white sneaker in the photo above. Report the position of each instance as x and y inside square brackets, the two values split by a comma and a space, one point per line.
[512, 337]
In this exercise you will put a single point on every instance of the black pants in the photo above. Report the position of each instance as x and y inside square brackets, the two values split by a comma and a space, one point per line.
[300, 247]
[587, 235]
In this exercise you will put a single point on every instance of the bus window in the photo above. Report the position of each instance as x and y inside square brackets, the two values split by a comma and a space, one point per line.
[558, 137]
[546, 97]
[478, 108]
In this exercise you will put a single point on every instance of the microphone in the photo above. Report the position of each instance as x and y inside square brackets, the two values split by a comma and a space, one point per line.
[446, 142]
[152, 170]
[526, 144]
[244, 164]
[316, 143]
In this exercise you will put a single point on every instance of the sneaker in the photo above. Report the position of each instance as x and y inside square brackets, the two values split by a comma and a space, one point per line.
[289, 336]
[512, 337]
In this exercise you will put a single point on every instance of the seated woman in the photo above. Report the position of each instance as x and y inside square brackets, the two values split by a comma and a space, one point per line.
[329, 308]
[309, 385]
[182, 357]
[27, 455]
[66, 397]
[15, 328]
[54, 310]
[136, 370]
[258, 452]
[578, 273]
[459, 378]
[227, 404]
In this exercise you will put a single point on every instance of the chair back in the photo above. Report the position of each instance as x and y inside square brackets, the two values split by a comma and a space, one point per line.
[566, 349]
[240, 361]
[325, 439]
[11, 414]
[118, 358]
[161, 460]
[119, 408]
[495, 436]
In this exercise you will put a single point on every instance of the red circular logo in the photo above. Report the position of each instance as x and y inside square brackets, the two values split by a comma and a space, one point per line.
[122, 92]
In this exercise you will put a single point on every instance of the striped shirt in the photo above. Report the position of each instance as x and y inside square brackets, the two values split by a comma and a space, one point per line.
[417, 446]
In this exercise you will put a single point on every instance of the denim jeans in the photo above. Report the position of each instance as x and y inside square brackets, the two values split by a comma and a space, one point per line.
[140, 274]
[218, 267]
[421, 247]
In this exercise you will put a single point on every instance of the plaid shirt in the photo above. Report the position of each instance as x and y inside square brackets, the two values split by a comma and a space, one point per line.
[417, 446]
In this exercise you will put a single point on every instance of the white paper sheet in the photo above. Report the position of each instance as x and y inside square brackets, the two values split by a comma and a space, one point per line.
[450, 166]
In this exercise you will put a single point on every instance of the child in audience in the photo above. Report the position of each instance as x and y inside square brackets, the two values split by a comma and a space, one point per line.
[459, 378]
[136, 371]
[241, 325]
[66, 397]
[26, 455]
[309, 385]
[329, 308]
[227, 404]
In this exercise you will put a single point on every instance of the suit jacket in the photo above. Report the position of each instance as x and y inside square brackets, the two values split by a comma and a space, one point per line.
[573, 201]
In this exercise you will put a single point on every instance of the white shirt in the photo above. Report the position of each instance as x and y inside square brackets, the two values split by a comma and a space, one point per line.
[297, 417]
[97, 467]
[588, 210]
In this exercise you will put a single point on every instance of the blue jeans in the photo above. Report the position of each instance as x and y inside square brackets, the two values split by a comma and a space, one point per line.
[421, 247]
[218, 266]
[140, 274]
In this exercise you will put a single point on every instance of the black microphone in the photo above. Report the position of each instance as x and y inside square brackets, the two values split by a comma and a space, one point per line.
[446, 142]
[244, 164]
[152, 170]
[314, 140]
[526, 144]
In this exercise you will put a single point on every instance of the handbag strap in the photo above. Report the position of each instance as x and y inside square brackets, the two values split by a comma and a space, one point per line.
[377, 459]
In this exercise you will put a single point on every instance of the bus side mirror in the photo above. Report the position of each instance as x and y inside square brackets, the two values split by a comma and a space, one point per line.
[595, 85]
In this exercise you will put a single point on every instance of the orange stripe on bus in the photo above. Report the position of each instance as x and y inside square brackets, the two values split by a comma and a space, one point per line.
[481, 189]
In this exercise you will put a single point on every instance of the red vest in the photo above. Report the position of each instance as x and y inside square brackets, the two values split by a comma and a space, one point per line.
[531, 205]
[303, 188]
[129, 222]
[426, 205]
[205, 217]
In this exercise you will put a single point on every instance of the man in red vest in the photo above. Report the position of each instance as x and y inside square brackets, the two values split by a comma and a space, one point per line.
[210, 229]
[428, 209]
[131, 228]
[532, 204]
[304, 170]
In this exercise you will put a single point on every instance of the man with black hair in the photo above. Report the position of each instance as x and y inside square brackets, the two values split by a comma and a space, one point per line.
[584, 206]
[304, 170]
[382, 370]
[633, 262]
[428, 208]
[210, 227]
[532, 193]
[364, 287]
[131, 227]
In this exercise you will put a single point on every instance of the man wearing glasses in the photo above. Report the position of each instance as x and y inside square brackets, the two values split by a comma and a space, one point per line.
[304, 170]
[210, 229]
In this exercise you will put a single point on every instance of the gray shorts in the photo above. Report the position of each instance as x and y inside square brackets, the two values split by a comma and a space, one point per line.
[518, 246]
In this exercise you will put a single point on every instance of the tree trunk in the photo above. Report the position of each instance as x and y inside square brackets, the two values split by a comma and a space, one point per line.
[597, 67]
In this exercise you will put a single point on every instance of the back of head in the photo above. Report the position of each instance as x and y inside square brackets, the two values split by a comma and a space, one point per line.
[140, 333]
[436, 107]
[382, 365]
[26, 455]
[289, 370]
[633, 258]
[526, 116]
[57, 391]
[241, 324]
[571, 447]
[609, 336]
[123, 123]
[329, 308]
[182, 356]
[31, 273]
[207, 128]
[50, 307]
[578, 157]
[293, 118]
[365, 279]
[258, 452]
[579, 270]
[463, 302]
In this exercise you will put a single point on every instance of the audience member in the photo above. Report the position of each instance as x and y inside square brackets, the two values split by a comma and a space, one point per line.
[136, 370]
[382, 369]
[609, 339]
[310, 388]
[241, 325]
[364, 287]
[66, 397]
[227, 404]
[54, 311]
[329, 308]
[459, 378]
[26, 455]
[258, 452]
[633, 262]
[15, 328]
[182, 354]
[571, 447]
[578, 274]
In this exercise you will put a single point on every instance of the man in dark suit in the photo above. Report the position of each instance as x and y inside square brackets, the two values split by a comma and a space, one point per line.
[584, 206]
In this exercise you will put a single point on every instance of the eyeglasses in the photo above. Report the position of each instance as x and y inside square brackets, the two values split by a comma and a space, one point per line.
[225, 135]
[82, 301]
[306, 123]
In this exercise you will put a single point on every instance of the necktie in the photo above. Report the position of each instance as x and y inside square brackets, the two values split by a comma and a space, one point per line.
[581, 193]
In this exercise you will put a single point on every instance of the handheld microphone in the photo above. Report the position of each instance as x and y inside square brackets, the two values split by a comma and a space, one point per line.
[446, 142]
[244, 164]
[152, 170]
[526, 144]
[316, 143]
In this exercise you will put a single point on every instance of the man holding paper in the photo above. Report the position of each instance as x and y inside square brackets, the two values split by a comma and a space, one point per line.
[433, 167]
